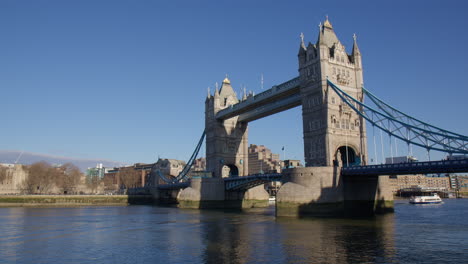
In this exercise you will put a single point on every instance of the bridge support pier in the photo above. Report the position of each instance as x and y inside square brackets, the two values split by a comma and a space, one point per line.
[322, 191]
[252, 198]
[203, 193]
[315, 191]
[209, 193]
[367, 195]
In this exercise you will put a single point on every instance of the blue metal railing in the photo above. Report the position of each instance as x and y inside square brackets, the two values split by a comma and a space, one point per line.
[247, 182]
[426, 167]
[404, 127]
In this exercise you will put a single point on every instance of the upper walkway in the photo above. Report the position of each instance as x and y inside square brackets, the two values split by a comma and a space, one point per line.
[276, 99]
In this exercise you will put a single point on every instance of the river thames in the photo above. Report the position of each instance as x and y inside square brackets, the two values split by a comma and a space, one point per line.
[151, 234]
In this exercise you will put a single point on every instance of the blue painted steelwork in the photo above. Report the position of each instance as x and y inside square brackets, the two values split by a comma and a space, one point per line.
[247, 182]
[174, 186]
[443, 166]
[183, 175]
[405, 127]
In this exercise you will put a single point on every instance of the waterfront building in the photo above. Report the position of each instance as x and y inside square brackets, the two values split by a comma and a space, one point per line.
[463, 184]
[459, 183]
[138, 174]
[399, 182]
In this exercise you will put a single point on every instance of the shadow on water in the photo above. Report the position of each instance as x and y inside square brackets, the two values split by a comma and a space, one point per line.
[242, 238]
[318, 240]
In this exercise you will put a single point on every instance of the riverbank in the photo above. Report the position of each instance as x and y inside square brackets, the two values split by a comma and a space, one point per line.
[72, 200]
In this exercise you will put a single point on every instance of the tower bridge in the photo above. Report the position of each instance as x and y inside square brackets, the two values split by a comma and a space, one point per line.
[337, 177]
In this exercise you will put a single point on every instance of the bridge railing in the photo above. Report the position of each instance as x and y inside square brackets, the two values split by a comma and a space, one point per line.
[173, 186]
[442, 166]
[247, 182]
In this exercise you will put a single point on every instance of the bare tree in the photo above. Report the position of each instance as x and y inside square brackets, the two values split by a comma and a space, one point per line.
[93, 183]
[129, 177]
[69, 178]
[40, 178]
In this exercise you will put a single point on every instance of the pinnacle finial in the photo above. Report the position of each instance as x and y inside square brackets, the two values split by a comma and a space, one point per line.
[320, 26]
[327, 23]
[226, 80]
[354, 37]
[302, 37]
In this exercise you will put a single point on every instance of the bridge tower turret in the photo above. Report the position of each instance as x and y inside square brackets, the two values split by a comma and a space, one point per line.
[226, 141]
[334, 135]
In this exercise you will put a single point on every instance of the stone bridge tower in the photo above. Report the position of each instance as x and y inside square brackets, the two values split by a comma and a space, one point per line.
[334, 135]
[226, 141]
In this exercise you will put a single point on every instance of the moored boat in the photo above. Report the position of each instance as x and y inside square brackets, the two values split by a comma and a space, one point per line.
[434, 199]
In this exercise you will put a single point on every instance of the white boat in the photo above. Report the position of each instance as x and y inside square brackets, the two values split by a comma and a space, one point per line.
[434, 199]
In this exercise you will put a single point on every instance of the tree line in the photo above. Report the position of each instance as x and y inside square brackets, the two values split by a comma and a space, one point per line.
[44, 178]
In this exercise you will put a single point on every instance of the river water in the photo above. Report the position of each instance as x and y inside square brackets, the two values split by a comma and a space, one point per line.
[150, 234]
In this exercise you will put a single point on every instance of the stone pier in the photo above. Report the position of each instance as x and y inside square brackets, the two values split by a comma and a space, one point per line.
[209, 193]
[321, 191]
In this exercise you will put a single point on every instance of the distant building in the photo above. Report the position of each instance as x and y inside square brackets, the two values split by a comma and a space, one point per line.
[459, 183]
[262, 160]
[99, 171]
[401, 159]
[199, 164]
[291, 163]
[170, 167]
[112, 181]
[457, 157]
[463, 184]
[12, 178]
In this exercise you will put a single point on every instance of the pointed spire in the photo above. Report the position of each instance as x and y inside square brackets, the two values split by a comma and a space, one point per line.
[327, 23]
[327, 35]
[320, 36]
[355, 46]
[302, 47]
[302, 40]
[244, 97]
[209, 93]
[216, 93]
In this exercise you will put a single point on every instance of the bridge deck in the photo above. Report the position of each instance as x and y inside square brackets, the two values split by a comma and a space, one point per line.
[427, 167]
[247, 182]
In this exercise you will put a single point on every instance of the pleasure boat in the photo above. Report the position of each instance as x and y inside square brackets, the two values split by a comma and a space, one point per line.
[434, 199]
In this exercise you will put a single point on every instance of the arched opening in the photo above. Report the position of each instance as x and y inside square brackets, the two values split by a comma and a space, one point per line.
[346, 156]
[229, 170]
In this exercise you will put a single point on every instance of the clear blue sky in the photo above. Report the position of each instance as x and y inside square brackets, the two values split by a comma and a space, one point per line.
[127, 80]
